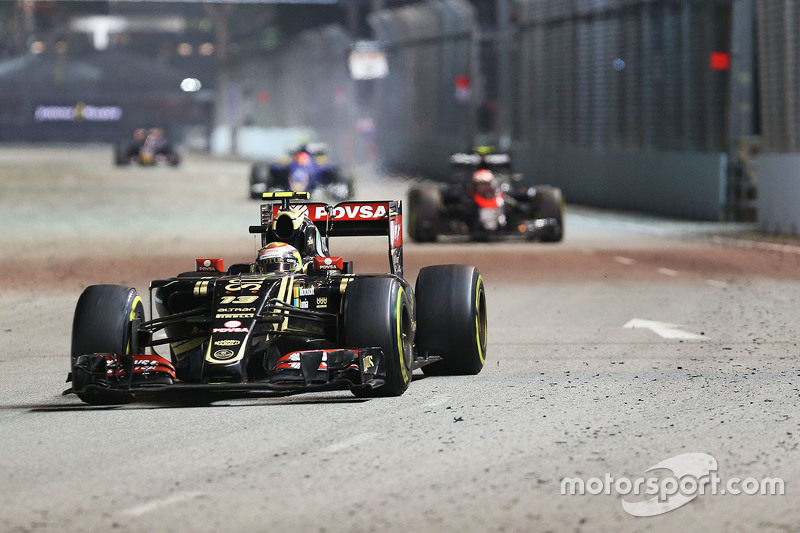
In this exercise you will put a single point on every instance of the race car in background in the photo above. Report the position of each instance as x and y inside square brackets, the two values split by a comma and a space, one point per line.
[305, 169]
[147, 148]
[257, 330]
[484, 200]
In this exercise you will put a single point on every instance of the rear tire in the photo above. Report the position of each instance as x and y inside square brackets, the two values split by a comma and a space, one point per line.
[120, 154]
[351, 187]
[259, 176]
[552, 205]
[103, 324]
[424, 204]
[451, 319]
[378, 313]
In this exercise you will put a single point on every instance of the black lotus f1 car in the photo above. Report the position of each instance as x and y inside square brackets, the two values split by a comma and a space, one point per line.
[305, 169]
[146, 149]
[484, 200]
[215, 333]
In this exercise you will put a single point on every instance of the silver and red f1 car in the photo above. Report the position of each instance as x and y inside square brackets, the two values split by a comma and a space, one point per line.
[215, 333]
[484, 201]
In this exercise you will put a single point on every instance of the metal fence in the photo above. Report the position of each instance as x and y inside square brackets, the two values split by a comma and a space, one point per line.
[621, 74]
[424, 108]
[778, 165]
[779, 74]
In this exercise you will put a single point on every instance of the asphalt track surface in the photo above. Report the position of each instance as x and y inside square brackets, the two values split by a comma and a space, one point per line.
[567, 390]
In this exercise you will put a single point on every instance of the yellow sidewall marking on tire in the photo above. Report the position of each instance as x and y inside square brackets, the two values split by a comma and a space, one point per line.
[481, 355]
[399, 319]
[136, 300]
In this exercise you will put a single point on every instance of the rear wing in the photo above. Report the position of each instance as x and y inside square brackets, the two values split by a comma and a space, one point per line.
[478, 160]
[345, 219]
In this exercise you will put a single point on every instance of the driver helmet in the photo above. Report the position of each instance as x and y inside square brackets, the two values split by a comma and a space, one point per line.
[279, 257]
[302, 158]
[483, 183]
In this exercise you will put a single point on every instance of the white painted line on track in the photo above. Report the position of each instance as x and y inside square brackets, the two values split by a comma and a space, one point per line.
[436, 401]
[139, 510]
[668, 272]
[352, 441]
[664, 329]
[757, 245]
[717, 283]
[624, 260]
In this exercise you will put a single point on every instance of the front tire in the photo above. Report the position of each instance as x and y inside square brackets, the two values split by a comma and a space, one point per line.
[103, 323]
[378, 313]
[121, 153]
[451, 319]
[424, 205]
[259, 175]
[552, 205]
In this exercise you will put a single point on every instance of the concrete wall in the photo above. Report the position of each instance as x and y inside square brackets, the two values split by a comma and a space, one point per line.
[779, 193]
[258, 143]
[682, 184]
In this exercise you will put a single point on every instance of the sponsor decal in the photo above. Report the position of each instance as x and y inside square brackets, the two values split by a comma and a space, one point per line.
[141, 364]
[465, 159]
[145, 365]
[292, 360]
[322, 302]
[303, 304]
[497, 159]
[396, 231]
[227, 342]
[360, 212]
[236, 310]
[244, 285]
[76, 113]
[223, 355]
[475, 159]
[328, 263]
[208, 265]
[201, 288]
[181, 347]
[231, 326]
[235, 315]
[227, 300]
[344, 211]
[368, 363]
[306, 291]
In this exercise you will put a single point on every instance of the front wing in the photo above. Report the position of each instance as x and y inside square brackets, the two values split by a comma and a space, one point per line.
[106, 377]
[457, 222]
